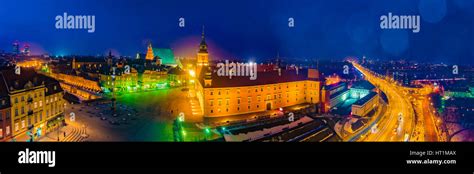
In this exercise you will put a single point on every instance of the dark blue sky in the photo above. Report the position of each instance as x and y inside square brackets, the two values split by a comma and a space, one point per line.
[247, 28]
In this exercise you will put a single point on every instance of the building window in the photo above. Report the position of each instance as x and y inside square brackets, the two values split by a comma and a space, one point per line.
[41, 116]
[17, 126]
[238, 100]
[16, 100]
[212, 93]
[35, 105]
[220, 102]
[227, 92]
[258, 106]
[238, 108]
[1, 133]
[7, 131]
[22, 110]
[212, 111]
[40, 103]
[211, 102]
[22, 98]
[23, 124]
[16, 111]
[227, 102]
[249, 99]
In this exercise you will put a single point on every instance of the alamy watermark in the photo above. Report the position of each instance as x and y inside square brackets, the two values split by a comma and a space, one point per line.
[66, 21]
[391, 21]
[233, 69]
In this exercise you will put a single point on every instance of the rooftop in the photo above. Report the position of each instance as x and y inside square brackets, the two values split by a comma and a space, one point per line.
[27, 79]
[363, 85]
[263, 78]
[365, 99]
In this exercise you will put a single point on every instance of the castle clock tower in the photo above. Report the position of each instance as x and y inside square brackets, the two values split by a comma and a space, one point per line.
[202, 55]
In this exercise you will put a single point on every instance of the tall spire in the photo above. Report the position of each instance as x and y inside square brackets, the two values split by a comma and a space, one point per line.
[202, 35]
[203, 45]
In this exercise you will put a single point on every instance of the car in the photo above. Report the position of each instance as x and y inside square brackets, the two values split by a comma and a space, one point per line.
[113, 122]
[103, 118]
[115, 115]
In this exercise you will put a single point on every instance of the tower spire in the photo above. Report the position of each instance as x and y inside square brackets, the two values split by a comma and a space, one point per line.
[202, 35]
[203, 45]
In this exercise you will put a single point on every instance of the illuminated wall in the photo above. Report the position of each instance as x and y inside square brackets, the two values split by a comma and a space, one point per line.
[34, 108]
[248, 99]
[365, 108]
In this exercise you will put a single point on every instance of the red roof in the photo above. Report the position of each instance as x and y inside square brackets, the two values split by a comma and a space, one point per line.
[263, 78]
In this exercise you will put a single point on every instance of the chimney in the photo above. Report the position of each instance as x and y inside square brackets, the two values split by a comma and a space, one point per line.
[297, 70]
[279, 71]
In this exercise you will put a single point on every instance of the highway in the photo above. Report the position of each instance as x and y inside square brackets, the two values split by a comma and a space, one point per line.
[397, 124]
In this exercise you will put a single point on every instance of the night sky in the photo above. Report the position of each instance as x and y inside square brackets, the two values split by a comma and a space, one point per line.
[247, 29]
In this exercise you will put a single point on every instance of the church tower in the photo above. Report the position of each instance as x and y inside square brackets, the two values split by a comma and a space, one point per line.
[110, 58]
[149, 52]
[202, 55]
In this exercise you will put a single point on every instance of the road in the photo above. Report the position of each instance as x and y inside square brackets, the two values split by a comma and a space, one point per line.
[397, 123]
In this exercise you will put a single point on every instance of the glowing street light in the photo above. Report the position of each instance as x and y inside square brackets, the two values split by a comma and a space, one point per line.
[192, 73]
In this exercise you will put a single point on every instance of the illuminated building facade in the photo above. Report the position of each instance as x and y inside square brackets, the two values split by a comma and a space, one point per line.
[202, 58]
[36, 101]
[222, 96]
[333, 95]
[5, 116]
[338, 96]
[366, 104]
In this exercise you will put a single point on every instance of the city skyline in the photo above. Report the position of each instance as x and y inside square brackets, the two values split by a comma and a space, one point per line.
[250, 30]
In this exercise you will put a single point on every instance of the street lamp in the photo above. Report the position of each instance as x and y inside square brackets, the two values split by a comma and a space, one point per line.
[59, 126]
